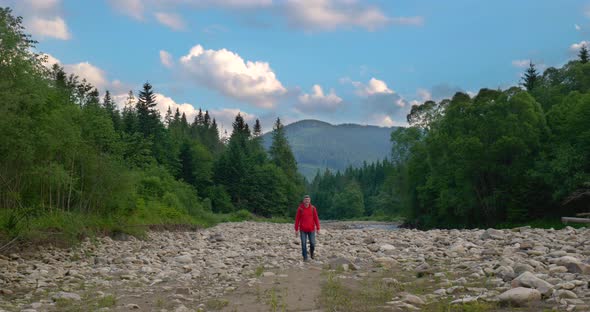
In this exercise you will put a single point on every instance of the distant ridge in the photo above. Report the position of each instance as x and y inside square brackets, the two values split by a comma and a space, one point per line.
[320, 145]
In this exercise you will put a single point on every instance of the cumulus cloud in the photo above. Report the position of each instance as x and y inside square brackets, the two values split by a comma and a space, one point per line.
[577, 46]
[383, 105]
[373, 87]
[49, 28]
[49, 60]
[318, 101]
[166, 59]
[329, 15]
[225, 117]
[92, 73]
[332, 14]
[163, 102]
[229, 74]
[171, 20]
[42, 18]
[310, 15]
[228, 4]
[384, 120]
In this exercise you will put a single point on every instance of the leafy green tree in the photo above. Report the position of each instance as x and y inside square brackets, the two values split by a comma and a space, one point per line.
[349, 203]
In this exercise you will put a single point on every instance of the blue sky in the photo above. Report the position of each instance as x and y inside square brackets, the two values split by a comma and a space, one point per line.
[340, 61]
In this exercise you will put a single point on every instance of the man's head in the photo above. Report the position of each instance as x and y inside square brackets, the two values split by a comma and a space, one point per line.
[306, 200]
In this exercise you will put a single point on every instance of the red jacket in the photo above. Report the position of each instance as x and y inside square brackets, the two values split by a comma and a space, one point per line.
[306, 218]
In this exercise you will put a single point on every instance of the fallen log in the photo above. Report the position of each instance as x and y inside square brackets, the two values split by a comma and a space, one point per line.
[575, 220]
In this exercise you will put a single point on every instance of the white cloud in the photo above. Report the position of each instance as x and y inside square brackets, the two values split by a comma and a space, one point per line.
[49, 60]
[373, 87]
[385, 120]
[226, 72]
[521, 63]
[577, 27]
[328, 15]
[92, 74]
[133, 8]
[577, 46]
[229, 4]
[137, 8]
[163, 102]
[52, 28]
[311, 15]
[225, 117]
[41, 18]
[318, 101]
[173, 21]
[166, 59]
[333, 14]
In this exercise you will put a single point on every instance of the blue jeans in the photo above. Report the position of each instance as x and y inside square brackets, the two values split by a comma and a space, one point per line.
[304, 236]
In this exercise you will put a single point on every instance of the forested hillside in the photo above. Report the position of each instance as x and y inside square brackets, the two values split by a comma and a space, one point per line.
[318, 145]
[70, 159]
[501, 157]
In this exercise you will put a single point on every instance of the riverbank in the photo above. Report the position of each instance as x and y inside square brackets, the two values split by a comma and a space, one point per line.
[219, 267]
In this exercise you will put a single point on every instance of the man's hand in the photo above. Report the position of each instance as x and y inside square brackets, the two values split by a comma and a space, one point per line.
[317, 232]
[296, 233]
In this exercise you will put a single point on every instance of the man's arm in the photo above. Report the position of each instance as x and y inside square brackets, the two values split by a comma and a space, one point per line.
[297, 217]
[316, 219]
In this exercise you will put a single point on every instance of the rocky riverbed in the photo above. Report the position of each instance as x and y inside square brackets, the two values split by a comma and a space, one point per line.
[191, 271]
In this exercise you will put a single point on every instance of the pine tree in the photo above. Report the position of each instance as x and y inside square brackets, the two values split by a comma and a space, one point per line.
[184, 122]
[129, 114]
[530, 77]
[168, 117]
[110, 106]
[93, 97]
[240, 127]
[147, 115]
[199, 119]
[257, 129]
[583, 55]
[280, 151]
[207, 120]
[176, 119]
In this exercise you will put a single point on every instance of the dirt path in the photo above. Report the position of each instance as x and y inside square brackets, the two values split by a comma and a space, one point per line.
[296, 289]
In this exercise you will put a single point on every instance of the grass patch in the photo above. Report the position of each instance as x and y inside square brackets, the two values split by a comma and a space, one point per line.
[466, 307]
[334, 296]
[275, 300]
[107, 301]
[216, 304]
[259, 270]
[245, 215]
[541, 224]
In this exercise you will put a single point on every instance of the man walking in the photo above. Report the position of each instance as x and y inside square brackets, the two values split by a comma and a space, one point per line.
[307, 222]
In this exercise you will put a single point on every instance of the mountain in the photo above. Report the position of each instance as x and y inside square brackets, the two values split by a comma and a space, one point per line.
[319, 145]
